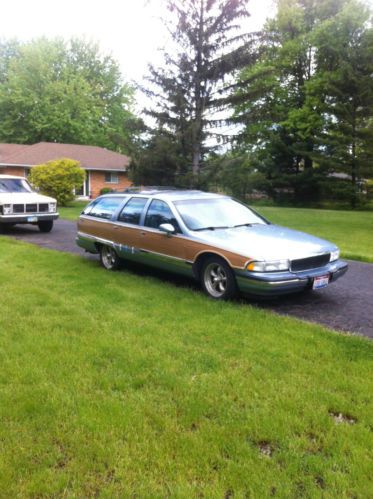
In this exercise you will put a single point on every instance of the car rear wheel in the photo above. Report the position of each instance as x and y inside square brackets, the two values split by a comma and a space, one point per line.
[109, 258]
[45, 226]
[217, 279]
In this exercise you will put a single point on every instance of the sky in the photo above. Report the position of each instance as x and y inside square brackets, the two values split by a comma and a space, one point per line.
[130, 30]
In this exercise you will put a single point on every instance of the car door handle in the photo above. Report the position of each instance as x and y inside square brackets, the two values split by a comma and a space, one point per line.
[142, 233]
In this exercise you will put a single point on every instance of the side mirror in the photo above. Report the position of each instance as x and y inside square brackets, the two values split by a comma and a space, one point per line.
[169, 229]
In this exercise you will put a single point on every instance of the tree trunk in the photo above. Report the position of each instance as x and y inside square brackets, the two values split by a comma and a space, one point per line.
[308, 163]
[197, 129]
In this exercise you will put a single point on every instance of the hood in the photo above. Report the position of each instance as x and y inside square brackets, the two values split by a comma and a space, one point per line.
[267, 242]
[24, 198]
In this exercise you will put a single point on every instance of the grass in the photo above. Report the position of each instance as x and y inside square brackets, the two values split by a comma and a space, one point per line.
[116, 385]
[72, 211]
[352, 231]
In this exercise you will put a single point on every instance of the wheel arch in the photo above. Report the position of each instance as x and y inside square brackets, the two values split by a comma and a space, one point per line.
[202, 257]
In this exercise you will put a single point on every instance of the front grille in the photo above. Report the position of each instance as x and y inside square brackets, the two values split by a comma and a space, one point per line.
[313, 262]
[31, 208]
[18, 208]
[43, 207]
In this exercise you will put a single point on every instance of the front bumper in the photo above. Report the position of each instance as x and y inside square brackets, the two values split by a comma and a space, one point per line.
[28, 218]
[280, 283]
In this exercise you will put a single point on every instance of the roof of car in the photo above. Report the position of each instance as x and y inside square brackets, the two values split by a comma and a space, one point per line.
[170, 194]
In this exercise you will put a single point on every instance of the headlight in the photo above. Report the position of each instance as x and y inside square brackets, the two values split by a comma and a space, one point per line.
[52, 207]
[7, 209]
[274, 266]
[334, 255]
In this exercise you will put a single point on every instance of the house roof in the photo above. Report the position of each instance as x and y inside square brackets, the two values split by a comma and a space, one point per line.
[10, 149]
[90, 157]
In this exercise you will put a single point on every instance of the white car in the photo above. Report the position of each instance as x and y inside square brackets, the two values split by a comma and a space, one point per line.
[20, 204]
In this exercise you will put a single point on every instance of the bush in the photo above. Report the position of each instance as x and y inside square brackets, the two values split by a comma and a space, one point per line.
[58, 178]
[106, 190]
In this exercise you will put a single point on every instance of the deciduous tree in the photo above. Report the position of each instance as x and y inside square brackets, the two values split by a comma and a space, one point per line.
[57, 91]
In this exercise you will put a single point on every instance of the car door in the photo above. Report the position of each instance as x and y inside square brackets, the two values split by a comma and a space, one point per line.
[159, 249]
[126, 228]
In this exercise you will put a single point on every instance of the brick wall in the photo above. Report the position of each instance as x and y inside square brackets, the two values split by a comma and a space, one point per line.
[97, 182]
[97, 179]
[18, 171]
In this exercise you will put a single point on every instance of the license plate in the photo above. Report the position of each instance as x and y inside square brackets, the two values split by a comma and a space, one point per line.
[320, 282]
[32, 219]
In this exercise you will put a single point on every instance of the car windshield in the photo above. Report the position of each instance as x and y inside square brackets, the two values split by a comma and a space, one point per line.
[14, 185]
[216, 213]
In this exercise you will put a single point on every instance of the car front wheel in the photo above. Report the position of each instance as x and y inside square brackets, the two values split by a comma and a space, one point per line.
[217, 279]
[109, 258]
[45, 226]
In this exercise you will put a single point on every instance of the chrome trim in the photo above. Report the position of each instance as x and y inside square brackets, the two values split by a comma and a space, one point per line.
[165, 255]
[30, 214]
[96, 239]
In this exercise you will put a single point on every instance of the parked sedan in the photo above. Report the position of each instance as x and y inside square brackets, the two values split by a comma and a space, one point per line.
[222, 243]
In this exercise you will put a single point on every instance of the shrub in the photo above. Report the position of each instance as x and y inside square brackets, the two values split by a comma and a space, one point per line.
[106, 190]
[58, 179]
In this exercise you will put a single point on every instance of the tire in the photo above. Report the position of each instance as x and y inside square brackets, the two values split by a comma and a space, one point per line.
[109, 258]
[217, 279]
[45, 226]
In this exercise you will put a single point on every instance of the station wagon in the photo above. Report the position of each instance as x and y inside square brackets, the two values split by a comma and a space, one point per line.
[213, 238]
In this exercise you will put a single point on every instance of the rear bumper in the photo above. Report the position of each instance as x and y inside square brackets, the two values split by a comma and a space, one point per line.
[280, 283]
[27, 219]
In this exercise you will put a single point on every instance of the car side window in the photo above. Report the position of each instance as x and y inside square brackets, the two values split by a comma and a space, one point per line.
[104, 207]
[159, 213]
[131, 213]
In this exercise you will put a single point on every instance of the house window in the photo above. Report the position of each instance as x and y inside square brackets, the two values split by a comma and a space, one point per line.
[111, 178]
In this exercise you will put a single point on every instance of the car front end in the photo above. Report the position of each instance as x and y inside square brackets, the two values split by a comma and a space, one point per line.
[272, 278]
[40, 209]
[20, 204]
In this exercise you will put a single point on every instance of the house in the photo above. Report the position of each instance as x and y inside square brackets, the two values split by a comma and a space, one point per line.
[103, 168]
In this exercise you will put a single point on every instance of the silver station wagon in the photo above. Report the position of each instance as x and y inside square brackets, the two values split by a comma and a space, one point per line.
[222, 243]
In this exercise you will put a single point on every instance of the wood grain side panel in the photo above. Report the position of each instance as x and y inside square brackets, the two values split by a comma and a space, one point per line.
[110, 231]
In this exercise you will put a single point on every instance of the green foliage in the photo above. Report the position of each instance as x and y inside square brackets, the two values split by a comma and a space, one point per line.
[58, 179]
[57, 91]
[236, 174]
[159, 163]
[106, 190]
[307, 104]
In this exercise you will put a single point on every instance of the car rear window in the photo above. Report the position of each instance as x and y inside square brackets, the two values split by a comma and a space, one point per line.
[104, 207]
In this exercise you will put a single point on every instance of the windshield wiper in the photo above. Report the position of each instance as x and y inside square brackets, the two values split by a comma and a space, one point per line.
[242, 225]
[211, 228]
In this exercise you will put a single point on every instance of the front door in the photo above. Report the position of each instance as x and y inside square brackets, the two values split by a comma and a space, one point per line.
[158, 248]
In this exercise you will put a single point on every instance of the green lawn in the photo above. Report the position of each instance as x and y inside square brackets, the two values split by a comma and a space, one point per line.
[116, 385]
[352, 231]
[72, 211]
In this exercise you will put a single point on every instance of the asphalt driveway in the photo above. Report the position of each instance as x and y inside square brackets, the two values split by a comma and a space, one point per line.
[345, 305]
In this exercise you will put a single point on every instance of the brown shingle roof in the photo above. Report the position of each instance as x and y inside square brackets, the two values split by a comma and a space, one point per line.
[10, 149]
[90, 157]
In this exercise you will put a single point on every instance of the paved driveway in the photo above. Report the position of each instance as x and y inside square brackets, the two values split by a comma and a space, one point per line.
[346, 304]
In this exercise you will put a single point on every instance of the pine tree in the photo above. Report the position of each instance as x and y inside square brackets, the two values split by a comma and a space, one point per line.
[196, 80]
[345, 92]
